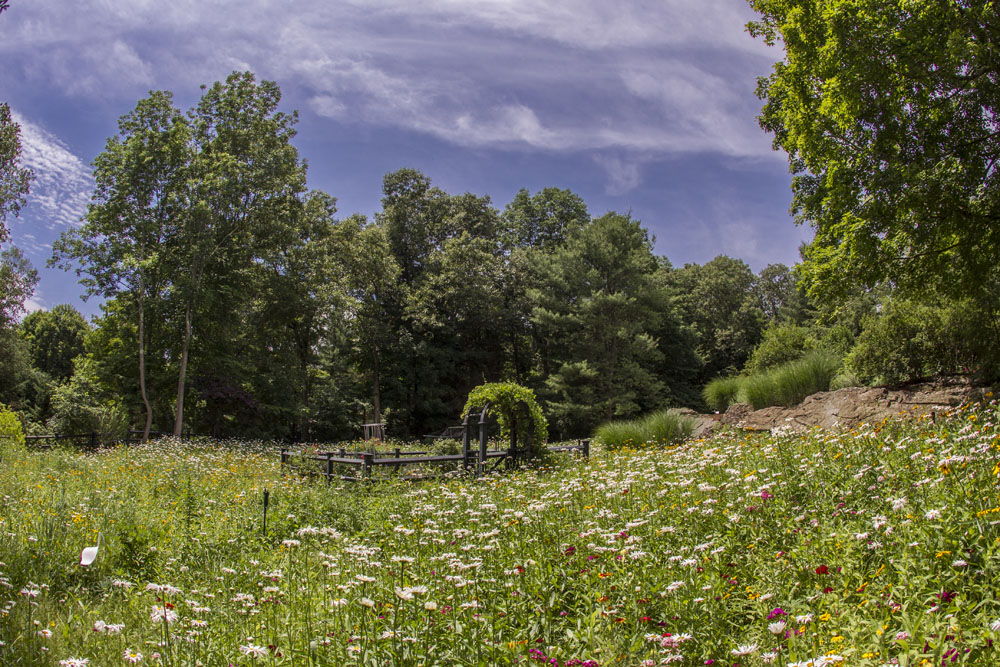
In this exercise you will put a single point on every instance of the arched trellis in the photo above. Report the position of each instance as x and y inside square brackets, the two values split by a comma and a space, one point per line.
[475, 429]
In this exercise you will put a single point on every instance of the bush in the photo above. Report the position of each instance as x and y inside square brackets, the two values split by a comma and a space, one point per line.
[720, 393]
[80, 406]
[781, 343]
[663, 427]
[909, 340]
[789, 383]
[11, 433]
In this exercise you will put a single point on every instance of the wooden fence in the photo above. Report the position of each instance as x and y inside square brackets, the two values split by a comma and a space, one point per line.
[365, 463]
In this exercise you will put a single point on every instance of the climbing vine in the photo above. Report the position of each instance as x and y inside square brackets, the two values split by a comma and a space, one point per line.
[504, 399]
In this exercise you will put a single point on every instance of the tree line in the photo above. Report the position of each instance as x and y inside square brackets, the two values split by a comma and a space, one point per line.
[237, 301]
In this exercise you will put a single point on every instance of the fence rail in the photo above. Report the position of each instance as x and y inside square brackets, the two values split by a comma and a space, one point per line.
[366, 462]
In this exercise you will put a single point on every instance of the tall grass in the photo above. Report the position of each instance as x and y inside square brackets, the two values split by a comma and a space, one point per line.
[659, 428]
[720, 393]
[787, 384]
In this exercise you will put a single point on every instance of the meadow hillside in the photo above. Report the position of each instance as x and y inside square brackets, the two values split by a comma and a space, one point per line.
[873, 546]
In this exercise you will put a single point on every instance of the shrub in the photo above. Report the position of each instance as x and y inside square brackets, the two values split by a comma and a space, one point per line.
[720, 393]
[909, 340]
[659, 428]
[80, 406]
[11, 433]
[781, 343]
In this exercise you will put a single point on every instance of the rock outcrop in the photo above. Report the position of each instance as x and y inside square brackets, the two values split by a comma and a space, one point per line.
[846, 408]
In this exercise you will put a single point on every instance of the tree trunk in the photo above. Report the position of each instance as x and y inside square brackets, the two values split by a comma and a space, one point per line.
[179, 415]
[377, 394]
[142, 376]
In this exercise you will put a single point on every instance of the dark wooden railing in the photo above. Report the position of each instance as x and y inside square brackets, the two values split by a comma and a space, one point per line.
[365, 463]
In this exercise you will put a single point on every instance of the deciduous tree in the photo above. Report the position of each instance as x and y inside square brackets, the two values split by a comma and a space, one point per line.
[888, 112]
[136, 208]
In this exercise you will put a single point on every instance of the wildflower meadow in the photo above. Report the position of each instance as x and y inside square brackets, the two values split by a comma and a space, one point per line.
[874, 546]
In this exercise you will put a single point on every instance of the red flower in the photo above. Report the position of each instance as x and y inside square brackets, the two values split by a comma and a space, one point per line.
[822, 569]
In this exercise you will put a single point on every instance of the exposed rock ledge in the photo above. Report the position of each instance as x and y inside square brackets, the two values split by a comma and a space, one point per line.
[846, 408]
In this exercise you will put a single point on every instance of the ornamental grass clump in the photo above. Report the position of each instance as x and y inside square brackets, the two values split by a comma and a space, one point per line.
[789, 383]
[720, 393]
[658, 428]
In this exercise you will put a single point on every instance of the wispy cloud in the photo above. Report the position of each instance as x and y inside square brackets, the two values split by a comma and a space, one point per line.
[62, 183]
[623, 175]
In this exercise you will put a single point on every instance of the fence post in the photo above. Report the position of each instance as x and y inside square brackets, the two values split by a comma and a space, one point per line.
[329, 468]
[466, 441]
[481, 465]
[586, 448]
[284, 456]
[366, 464]
[93, 440]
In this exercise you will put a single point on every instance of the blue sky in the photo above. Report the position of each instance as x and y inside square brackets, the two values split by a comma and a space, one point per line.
[645, 106]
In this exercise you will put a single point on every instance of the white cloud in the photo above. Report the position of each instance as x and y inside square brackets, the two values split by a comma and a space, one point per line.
[34, 304]
[623, 175]
[62, 183]
[635, 79]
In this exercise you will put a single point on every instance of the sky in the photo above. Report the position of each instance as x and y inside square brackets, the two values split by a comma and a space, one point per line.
[639, 106]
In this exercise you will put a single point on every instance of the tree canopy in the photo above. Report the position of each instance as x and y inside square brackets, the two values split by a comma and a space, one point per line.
[15, 180]
[888, 112]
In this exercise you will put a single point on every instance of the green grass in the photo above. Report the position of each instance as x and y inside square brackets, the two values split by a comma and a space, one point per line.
[786, 384]
[789, 383]
[658, 428]
[873, 546]
[720, 393]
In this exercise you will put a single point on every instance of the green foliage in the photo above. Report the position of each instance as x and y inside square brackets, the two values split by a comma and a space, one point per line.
[82, 406]
[789, 383]
[782, 342]
[887, 111]
[602, 313]
[516, 410]
[722, 392]
[543, 220]
[909, 340]
[55, 338]
[845, 378]
[15, 180]
[11, 434]
[17, 284]
[663, 427]
[721, 302]
[785, 384]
